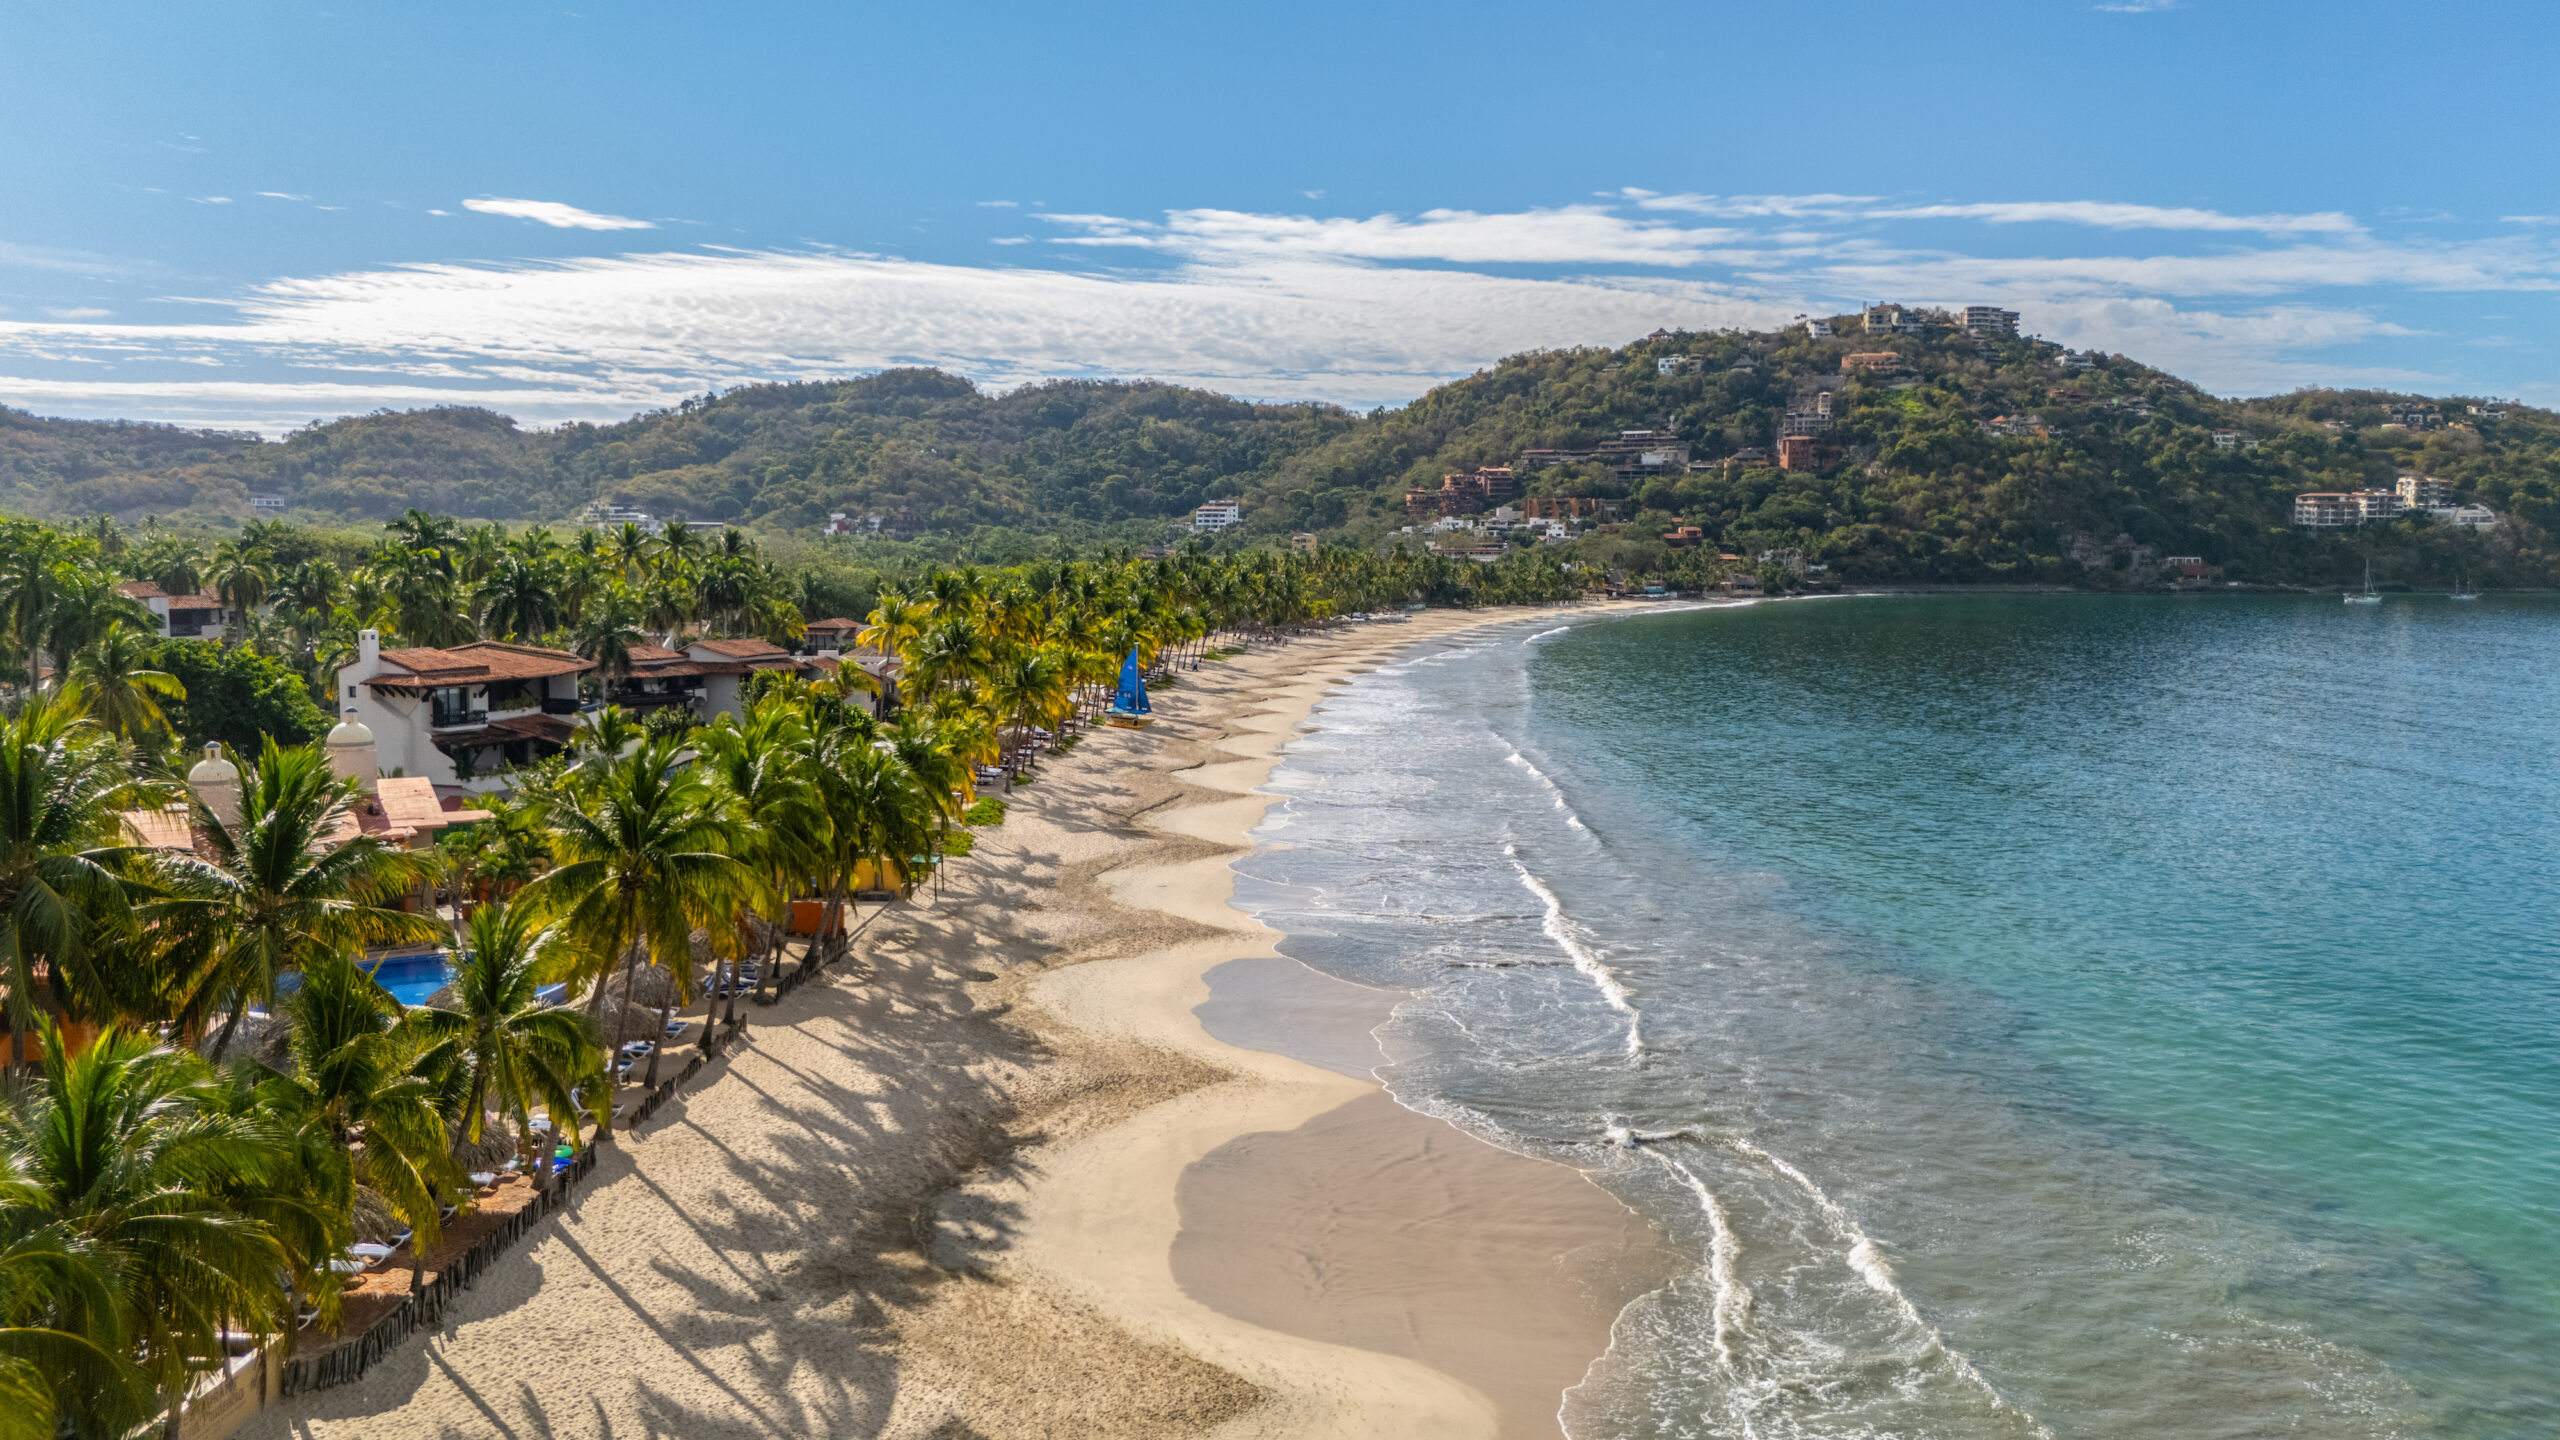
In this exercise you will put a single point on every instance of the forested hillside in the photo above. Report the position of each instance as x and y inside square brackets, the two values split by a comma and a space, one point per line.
[1971, 460]
[924, 450]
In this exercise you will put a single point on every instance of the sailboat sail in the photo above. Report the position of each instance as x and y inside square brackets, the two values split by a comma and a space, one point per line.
[1132, 696]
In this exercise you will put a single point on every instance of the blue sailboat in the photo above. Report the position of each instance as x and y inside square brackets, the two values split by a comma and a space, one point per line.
[1129, 703]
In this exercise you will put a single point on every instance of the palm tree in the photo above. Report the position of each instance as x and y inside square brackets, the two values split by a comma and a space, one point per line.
[169, 562]
[291, 884]
[631, 551]
[610, 629]
[763, 765]
[117, 687]
[520, 598]
[1026, 688]
[377, 1083]
[121, 1159]
[28, 584]
[87, 605]
[645, 859]
[515, 1048]
[876, 813]
[240, 579]
[54, 1379]
[60, 780]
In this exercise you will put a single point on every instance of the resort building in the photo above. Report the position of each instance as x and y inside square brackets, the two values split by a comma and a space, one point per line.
[1303, 543]
[2412, 415]
[1990, 320]
[1874, 362]
[2338, 509]
[1218, 515]
[600, 516]
[1818, 329]
[2234, 440]
[1801, 452]
[267, 504]
[1674, 365]
[1643, 452]
[184, 617]
[457, 717]
[2424, 492]
[1893, 320]
[1464, 494]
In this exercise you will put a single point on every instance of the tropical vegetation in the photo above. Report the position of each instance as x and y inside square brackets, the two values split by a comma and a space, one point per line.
[215, 1095]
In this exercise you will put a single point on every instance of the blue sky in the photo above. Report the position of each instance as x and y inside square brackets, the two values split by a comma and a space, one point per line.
[255, 215]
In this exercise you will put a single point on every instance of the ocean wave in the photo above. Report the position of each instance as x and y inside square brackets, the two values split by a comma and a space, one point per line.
[1544, 634]
[1729, 1299]
[1585, 959]
[1868, 1261]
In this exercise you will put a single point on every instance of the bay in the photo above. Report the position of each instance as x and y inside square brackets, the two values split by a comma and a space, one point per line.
[2036, 1014]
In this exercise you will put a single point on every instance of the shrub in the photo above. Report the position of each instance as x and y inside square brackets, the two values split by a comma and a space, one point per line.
[987, 811]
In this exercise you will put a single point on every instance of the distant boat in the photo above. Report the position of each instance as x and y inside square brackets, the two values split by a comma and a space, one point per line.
[2463, 589]
[2370, 596]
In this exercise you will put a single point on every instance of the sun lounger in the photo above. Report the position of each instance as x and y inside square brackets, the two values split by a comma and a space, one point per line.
[369, 1252]
[348, 1265]
[484, 1178]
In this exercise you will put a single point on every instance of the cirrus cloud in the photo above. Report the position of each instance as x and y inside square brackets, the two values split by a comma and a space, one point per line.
[555, 214]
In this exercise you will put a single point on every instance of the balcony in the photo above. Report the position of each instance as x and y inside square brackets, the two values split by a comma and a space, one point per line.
[443, 719]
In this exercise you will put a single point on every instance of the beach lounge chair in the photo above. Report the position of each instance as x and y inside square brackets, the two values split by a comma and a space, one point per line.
[370, 1252]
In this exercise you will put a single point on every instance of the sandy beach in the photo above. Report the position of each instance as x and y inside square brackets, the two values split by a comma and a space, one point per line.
[995, 1177]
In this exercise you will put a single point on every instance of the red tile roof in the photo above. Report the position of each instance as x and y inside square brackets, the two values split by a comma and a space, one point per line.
[141, 590]
[477, 663]
[838, 623]
[195, 602]
[748, 649]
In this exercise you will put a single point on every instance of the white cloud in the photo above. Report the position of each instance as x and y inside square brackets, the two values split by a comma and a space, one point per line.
[2121, 217]
[1357, 310]
[998, 204]
[555, 214]
[211, 199]
[1569, 235]
[1745, 207]
[77, 312]
[280, 195]
[2136, 7]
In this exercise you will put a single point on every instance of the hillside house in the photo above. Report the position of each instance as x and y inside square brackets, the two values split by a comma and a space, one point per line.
[1218, 515]
[457, 716]
[2234, 440]
[1874, 362]
[1801, 452]
[183, 617]
[1818, 329]
[1643, 452]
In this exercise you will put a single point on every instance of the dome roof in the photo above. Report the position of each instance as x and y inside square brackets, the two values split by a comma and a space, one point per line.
[349, 731]
[213, 769]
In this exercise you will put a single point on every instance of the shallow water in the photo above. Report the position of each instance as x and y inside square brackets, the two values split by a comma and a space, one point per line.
[2066, 1015]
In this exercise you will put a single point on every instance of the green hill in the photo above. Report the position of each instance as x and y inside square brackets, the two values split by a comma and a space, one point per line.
[1975, 461]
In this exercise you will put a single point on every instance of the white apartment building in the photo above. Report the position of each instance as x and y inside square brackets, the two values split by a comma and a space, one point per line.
[1218, 515]
[457, 716]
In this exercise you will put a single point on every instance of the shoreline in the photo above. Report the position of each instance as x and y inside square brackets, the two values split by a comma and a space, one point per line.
[1228, 1221]
[935, 1194]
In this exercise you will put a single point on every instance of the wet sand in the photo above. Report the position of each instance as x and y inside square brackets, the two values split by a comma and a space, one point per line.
[1374, 1226]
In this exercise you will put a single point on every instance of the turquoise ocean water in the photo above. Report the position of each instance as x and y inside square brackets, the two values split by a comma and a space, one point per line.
[2060, 1015]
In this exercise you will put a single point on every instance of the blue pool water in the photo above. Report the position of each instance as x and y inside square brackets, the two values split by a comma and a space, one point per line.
[2062, 1015]
[412, 978]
